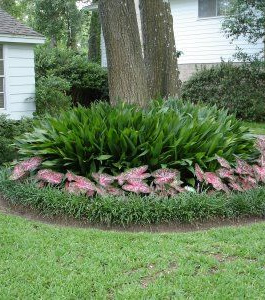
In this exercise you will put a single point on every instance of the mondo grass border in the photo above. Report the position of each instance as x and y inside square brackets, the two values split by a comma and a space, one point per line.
[134, 209]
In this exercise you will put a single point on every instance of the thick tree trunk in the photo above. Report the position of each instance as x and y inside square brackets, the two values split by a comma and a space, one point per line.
[159, 48]
[94, 51]
[127, 75]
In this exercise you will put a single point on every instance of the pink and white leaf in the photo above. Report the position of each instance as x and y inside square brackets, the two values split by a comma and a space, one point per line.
[165, 176]
[246, 184]
[215, 181]
[31, 164]
[50, 176]
[199, 173]
[243, 168]
[260, 173]
[18, 173]
[235, 186]
[223, 162]
[104, 180]
[81, 182]
[23, 168]
[137, 187]
[226, 173]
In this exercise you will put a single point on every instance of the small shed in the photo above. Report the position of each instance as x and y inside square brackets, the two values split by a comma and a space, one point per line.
[17, 72]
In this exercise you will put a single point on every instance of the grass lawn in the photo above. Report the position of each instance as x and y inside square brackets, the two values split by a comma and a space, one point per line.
[40, 261]
[257, 128]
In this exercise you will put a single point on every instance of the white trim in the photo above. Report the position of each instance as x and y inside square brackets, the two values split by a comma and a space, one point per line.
[4, 77]
[92, 7]
[6, 38]
[209, 18]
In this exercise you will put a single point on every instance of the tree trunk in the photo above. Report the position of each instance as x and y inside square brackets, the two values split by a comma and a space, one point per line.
[160, 53]
[127, 75]
[94, 51]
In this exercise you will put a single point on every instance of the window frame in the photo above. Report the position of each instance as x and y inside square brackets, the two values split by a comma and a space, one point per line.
[4, 78]
[216, 16]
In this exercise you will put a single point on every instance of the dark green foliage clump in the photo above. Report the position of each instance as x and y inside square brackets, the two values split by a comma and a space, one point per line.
[88, 81]
[9, 129]
[113, 139]
[51, 95]
[110, 210]
[240, 89]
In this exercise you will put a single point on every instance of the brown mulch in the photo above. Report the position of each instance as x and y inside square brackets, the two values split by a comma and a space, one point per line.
[64, 221]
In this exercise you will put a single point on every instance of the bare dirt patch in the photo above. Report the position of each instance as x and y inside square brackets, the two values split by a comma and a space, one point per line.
[32, 214]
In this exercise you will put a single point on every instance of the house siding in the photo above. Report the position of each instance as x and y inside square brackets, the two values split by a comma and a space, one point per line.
[19, 80]
[201, 40]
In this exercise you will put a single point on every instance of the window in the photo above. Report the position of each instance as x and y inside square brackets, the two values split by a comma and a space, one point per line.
[2, 82]
[213, 8]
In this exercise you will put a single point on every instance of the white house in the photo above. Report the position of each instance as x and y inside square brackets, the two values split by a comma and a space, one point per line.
[198, 34]
[17, 75]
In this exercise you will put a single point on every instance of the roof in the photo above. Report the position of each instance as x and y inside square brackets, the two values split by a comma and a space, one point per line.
[11, 26]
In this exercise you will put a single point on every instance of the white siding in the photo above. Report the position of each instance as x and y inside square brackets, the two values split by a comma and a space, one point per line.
[202, 40]
[20, 80]
[103, 52]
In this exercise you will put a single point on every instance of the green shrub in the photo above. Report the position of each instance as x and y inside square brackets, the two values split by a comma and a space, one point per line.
[113, 139]
[9, 129]
[51, 95]
[133, 209]
[240, 89]
[88, 81]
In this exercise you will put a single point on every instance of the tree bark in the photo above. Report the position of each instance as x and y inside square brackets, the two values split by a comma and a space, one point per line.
[126, 69]
[94, 51]
[160, 53]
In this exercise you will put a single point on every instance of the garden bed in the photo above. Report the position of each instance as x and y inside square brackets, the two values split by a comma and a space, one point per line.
[185, 208]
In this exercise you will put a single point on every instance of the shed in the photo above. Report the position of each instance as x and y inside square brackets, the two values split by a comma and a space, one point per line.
[17, 72]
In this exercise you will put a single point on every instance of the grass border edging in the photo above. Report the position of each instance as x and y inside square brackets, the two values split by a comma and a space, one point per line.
[136, 210]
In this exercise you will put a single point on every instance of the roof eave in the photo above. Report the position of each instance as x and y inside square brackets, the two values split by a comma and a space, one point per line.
[24, 39]
[92, 7]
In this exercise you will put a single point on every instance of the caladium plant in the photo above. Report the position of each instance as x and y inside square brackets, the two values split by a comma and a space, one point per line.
[241, 178]
[50, 176]
[24, 167]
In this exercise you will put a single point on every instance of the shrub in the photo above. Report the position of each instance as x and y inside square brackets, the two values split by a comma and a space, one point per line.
[9, 129]
[51, 95]
[240, 89]
[113, 139]
[88, 81]
[134, 209]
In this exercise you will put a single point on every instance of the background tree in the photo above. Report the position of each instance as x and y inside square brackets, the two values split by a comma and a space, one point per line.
[246, 18]
[20, 9]
[73, 22]
[58, 20]
[127, 76]
[160, 53]
[49, 19]
[94, 50]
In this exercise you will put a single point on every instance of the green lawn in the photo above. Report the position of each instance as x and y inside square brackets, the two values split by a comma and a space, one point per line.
[257, 128]
[40, 261]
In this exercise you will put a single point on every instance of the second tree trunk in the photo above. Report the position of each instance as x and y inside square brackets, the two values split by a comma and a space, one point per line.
[159, 48]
